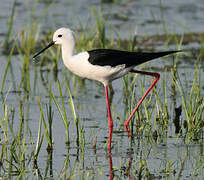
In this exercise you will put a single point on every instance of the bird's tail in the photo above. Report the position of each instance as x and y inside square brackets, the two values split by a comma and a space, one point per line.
[143, 57]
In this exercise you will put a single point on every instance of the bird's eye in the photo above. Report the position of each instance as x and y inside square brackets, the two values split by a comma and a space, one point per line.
[59, 35]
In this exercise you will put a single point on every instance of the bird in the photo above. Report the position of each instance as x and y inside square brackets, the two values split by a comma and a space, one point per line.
[104, 65]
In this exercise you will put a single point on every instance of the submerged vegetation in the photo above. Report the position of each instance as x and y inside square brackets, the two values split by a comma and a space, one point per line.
[36, 97]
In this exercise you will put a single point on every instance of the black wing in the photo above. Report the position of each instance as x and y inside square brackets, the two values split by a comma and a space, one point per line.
[110, 57]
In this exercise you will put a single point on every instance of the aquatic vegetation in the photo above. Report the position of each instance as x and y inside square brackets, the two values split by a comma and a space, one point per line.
[53, 125]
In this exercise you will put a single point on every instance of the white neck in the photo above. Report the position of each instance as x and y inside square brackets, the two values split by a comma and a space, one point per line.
[67, 50]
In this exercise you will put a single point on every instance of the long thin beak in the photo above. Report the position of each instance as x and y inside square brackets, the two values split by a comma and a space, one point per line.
[49, 45]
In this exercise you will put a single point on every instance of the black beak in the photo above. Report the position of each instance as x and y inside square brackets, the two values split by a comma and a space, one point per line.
[49, 45]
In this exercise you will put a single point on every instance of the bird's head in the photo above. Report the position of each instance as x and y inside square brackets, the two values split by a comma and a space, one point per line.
[63, 35]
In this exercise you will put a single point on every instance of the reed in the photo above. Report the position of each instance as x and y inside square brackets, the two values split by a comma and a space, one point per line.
[100, 28]
[7, 41]
[62, 112]
[7, 66]
[20, 152]
[192, 105]
[47, 126]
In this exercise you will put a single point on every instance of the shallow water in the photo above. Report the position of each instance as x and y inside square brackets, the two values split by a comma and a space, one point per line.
[161, 159]
[142, 17]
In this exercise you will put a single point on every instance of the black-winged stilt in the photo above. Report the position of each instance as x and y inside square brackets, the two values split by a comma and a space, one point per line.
[104, 65]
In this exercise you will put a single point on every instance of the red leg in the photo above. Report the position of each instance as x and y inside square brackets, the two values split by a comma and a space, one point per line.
[110, 166]
[157, 76]
[110, 119]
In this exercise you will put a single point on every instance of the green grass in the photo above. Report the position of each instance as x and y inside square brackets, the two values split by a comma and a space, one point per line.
[44, 85]
[7, 41]
[192, 105]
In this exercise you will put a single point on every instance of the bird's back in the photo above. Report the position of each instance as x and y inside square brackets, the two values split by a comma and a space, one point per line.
[110, 57]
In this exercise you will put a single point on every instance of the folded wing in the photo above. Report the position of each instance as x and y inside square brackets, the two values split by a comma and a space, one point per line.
[110, 57]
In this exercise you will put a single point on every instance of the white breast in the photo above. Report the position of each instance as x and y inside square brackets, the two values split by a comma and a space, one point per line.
[80, 66]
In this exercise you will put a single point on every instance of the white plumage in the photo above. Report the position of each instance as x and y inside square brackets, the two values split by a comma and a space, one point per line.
[104, 65]
[79, 64]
